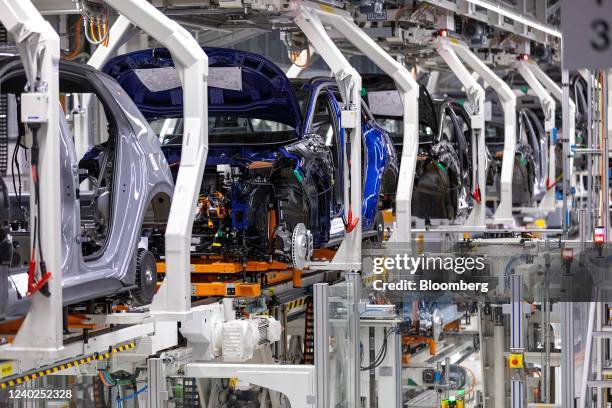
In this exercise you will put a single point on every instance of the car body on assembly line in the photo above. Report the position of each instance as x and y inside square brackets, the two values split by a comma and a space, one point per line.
[273, 182]
[102, 226]
[443, 185]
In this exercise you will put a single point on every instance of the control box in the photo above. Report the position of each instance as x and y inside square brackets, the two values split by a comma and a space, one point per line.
[34, 107]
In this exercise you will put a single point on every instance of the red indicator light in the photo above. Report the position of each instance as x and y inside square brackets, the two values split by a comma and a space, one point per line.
[600, 235]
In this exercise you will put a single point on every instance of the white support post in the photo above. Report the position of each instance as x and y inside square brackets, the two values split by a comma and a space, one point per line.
[296, 382]
[557, 93]
[41, 334]
[348, 256]
[476, 97]
[173, 300]
[409, 92]
[503, 215]
[432, 82]
[547, 103]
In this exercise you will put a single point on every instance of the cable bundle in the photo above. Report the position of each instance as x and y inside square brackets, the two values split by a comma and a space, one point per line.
[95, 21]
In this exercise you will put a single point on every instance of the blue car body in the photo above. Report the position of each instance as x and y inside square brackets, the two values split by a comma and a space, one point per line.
[267, 94]
[379, 161]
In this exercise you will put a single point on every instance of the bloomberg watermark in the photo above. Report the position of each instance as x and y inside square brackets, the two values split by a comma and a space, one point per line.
[427, 265]
[412, 264]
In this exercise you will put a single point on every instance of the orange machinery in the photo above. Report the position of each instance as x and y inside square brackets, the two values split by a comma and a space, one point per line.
[212, 276]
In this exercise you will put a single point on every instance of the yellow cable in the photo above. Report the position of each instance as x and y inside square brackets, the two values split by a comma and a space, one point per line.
[92, 31]
[100, 37]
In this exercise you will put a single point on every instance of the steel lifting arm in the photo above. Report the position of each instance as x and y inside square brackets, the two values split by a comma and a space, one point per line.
[557, 93]
[548, 107]
[503, 215]
[120, 33]
[409, 93]
[476, 97]
[173, 300]
[41, 335]
[348, 256]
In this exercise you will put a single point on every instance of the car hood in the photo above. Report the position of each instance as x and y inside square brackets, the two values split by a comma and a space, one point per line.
[266, 92]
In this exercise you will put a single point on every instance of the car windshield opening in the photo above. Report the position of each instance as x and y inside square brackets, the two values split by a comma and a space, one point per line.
[228, 130]
[395, 127]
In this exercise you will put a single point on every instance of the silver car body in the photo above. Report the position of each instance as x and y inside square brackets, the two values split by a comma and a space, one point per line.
[142, 180]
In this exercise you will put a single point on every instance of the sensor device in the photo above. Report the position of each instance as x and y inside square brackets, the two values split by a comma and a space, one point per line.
[34, 107]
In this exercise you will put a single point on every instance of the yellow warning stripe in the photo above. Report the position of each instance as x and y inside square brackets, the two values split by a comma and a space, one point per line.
[287, 306]
[64, 366]
[294, 304]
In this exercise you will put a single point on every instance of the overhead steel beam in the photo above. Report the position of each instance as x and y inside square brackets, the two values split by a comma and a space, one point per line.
[221, 39]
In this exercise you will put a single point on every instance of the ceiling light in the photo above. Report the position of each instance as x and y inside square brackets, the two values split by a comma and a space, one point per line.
[516, 17]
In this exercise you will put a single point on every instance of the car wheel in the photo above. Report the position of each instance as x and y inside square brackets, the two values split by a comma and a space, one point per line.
[146, 278]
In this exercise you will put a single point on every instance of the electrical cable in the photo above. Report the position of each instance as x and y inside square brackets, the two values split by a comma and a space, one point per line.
[382, 353]
[78, 46]
[100, 20]
[129, 397]
[104, 379]
[15, 165]
[35, 285]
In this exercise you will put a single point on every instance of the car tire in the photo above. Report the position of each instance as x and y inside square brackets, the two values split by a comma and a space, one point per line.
[145, 279]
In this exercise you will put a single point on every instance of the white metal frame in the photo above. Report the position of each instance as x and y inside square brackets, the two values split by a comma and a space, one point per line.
[548, 105]
[41, 335]
[173, 300]
[408, 90]
[296, 382]
[557, 93]
[306, 17]
[409, 93]
[476, 97]
[503, 214]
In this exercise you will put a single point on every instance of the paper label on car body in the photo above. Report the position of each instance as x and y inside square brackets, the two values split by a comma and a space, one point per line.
[225, 78]
[166, 78]
[386, 103]
[159, 79]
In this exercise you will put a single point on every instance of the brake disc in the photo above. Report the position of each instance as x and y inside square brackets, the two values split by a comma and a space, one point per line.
[301, 246]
